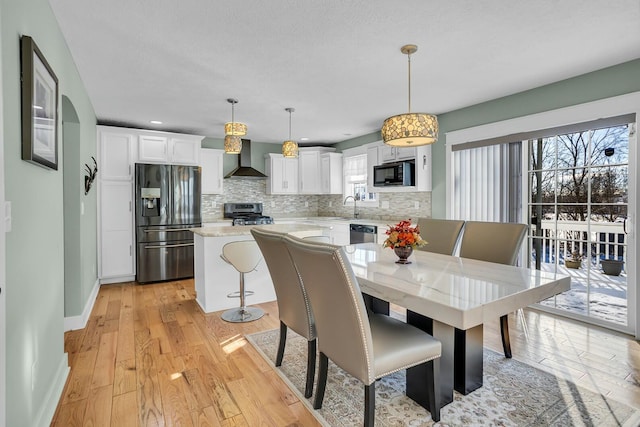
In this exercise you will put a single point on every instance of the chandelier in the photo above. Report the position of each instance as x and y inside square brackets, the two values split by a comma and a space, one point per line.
[410, 129]
[233, 130]
[290, 147]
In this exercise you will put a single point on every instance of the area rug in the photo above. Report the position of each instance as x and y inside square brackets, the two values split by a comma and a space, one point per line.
[513, 394]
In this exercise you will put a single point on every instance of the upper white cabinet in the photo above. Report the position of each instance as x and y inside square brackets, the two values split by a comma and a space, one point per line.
[282, 174]
[168, 149]
[387, 153]
[211, 161]
[115, 154]
[331, 173]
[309, 172]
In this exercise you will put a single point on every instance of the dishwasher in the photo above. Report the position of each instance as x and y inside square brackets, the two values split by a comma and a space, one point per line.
[360, 233]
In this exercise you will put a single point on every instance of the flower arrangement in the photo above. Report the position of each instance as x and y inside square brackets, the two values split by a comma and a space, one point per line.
[403, 235]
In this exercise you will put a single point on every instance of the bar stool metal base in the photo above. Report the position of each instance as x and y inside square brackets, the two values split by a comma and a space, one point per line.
[241, 315]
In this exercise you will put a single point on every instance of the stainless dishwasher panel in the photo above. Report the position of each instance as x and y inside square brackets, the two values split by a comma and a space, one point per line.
[360, 233]
[159, 261]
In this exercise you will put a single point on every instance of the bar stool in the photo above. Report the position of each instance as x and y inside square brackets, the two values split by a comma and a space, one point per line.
[244, 256]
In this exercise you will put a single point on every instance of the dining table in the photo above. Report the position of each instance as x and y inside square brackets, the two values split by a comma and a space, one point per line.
[450, 298]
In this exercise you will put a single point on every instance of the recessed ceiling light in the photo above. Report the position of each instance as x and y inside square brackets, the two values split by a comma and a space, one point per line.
[155, 122]
[304, 139]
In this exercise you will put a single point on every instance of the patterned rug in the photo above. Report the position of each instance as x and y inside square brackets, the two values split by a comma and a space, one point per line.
[513, 394]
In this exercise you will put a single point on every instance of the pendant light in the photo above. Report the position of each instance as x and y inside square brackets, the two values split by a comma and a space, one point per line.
[290, 147]
[410, 129]
[233, 130]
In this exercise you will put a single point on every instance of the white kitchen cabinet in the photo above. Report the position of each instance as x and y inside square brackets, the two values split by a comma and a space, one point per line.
[185, 151]
[211, 161]
[167, 149]
[116, 231]
[115, 154]
[387, 153]
[309, 172]
[282, 174]
[331, 173]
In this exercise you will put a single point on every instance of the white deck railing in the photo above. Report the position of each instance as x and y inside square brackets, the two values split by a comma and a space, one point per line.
[605, 240]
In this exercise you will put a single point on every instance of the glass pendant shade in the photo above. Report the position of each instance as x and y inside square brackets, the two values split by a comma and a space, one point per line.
[233, 131]
[232, 144]
[235, 128]
[411, 129]
[290, 149]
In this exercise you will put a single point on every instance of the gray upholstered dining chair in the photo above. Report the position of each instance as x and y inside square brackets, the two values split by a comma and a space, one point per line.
[441, 234]
[368, 346]
[294, 309]
[497, 242]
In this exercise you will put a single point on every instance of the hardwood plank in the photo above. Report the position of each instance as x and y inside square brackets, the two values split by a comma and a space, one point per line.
[79, 383]
[98, 412]
[205, 418]
[175, 408]
[124, 377]
[178, 342]
[105, 361]
[70, 414]
[149, 399]
[124, 411]
[126, 340]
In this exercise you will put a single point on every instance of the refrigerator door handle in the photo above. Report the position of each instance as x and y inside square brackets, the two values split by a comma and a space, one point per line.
[168, 246]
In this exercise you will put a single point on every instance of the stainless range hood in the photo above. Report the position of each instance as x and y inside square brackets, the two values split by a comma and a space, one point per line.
[244, 169]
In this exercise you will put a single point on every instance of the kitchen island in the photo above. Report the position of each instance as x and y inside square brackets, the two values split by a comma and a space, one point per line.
[215, 279]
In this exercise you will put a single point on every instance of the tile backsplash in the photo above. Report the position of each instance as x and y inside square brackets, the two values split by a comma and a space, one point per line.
[400, 205]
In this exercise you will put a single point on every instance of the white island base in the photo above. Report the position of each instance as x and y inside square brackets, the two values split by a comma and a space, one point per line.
[215, 279]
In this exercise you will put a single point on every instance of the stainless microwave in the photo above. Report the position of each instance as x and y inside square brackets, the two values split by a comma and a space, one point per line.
[394, 174]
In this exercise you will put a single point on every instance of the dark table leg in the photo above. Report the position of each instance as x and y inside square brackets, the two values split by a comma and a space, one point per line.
[416, 384]
[468, 360]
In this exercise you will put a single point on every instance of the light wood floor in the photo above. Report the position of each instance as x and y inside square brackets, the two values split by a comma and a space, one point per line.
[149, 357]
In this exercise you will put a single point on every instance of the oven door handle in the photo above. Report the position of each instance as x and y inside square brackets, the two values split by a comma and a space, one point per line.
[181, 245]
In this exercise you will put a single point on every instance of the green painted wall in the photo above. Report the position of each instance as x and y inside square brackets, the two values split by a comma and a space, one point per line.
[613, 81]
[36, 362]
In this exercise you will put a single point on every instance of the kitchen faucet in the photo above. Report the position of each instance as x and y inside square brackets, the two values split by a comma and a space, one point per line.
[355, 212]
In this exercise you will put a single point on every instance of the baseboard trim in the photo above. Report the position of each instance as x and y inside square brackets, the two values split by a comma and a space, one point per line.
[78, 322]
[50, 403]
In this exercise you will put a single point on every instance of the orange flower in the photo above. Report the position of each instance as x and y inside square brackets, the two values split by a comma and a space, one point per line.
[402, 235]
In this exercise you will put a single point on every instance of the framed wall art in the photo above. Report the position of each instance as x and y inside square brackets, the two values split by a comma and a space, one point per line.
[39, 107]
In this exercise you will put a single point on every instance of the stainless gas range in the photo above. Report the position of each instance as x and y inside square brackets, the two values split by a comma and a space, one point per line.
[246, 214]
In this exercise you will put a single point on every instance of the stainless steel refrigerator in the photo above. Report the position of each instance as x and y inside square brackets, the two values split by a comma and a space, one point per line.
[167, 205]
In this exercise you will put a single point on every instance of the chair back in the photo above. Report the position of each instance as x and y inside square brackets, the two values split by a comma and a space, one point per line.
[342, 324]
[497, 242]
[293, 305]
[441, 234]
[244, 255]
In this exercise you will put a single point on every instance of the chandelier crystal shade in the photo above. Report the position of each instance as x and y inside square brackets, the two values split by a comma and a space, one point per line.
[410, 129]
[233, 130]
[290, 147]
[232, 144]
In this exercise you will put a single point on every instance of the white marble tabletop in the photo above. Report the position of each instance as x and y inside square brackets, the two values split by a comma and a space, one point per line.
[456, 291]
[300, 230]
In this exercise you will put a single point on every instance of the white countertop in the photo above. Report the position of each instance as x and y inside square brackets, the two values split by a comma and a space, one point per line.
[300, 230]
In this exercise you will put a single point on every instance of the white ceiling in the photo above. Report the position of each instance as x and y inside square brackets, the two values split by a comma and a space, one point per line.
[338, 63]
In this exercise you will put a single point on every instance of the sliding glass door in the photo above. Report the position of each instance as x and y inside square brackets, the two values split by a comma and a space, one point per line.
[578, 194]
